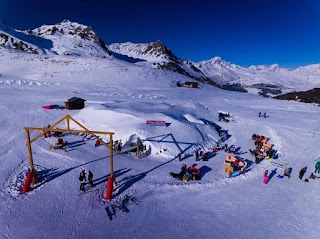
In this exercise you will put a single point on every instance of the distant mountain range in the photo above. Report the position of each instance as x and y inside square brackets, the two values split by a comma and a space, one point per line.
[74, 39]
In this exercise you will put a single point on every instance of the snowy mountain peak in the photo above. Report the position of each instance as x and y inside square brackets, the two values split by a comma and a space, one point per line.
[14, 39]
[72, 38]
[214, 62]
[67, 27]
[153, 51]
[158, 48]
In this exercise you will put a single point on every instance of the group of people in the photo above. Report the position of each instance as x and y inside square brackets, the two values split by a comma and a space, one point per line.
[260, 152]
[185, 174]
[117, 145]
[83, 179]
[312, 175]
[60, 144]
[201, 155]
[48, 133]
[287, 172]
[223, 117]
[263, 115]
[238, 165]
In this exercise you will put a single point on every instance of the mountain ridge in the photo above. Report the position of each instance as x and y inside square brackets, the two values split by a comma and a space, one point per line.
[72, 38]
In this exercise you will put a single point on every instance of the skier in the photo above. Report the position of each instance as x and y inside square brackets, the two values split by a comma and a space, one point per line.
[259, 114]
[90, 178]
[82, 178]
[302, 172]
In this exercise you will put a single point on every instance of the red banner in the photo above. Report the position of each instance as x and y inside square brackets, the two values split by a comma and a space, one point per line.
[156, 122]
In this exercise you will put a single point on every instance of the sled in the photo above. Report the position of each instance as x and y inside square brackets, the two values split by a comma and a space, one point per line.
[185, 178]
[234, 174]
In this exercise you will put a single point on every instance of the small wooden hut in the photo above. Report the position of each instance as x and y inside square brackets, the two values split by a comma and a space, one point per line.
[74, 103]
[188, 84]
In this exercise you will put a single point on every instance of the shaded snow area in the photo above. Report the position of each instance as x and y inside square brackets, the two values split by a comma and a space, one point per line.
[142, 105]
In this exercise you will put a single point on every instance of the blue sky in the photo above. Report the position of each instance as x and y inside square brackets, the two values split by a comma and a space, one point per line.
[244, 32]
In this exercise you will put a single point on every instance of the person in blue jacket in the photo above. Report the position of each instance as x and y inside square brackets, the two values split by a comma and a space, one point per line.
[317, 167]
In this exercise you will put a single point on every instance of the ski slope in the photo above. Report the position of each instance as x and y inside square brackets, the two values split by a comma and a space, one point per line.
[147, 202]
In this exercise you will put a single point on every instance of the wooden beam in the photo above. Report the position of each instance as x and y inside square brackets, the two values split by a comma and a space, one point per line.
[29, 149]
[51, 128]
[111, 156]
[66, 130]
[95, 132]
[68, 124]
[45, 130]
[109, 146]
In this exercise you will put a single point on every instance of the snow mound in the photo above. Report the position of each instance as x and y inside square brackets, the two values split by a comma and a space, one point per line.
[192, 119]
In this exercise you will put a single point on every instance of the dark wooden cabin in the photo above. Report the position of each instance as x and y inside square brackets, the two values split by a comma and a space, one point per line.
[188, 84]
[74, 103]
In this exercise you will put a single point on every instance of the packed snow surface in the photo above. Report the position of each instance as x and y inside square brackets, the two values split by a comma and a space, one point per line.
[147, 202]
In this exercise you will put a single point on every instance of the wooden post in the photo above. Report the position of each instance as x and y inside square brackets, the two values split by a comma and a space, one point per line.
[68, 123]
[111, 156]
[53, 129]
[29, 150]
[32, 169]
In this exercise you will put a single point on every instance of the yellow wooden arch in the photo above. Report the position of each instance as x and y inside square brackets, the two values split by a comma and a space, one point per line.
[53, 128]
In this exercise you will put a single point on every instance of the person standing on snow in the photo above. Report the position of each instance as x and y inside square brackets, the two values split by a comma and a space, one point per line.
[317, 167]
[266, 177]
[302, 172]
[197, 154]
[82, 178]
[286, 172]
[90, 178]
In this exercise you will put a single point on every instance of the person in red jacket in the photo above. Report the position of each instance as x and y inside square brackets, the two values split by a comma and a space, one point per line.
[98, 142]
[194, 173]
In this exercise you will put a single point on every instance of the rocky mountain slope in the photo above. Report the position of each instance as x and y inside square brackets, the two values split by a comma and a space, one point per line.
[161, 57]
[264, 80]
[65, 38]
[17, 40]
[71, 38]
[309, 96]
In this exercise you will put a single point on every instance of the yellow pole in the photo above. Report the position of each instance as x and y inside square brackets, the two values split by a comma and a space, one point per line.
[111, 156]
[68, 124]
[29, 149]
[33, 171]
